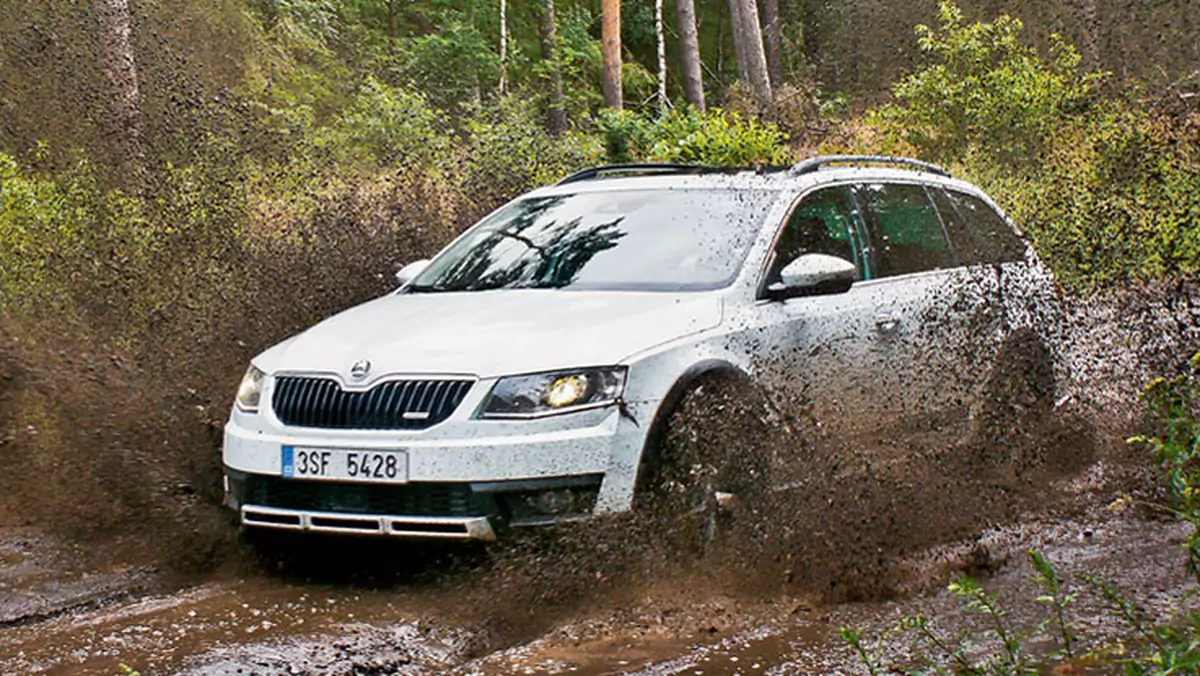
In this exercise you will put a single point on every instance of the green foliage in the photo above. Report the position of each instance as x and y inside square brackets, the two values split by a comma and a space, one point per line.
[1116, 201]
[507, 152]
[1109, 192]
[54, 229]
[1057, 599]
[453, 65]
[716, 137]
[1174, 404]
[390, 125]
[985, 91]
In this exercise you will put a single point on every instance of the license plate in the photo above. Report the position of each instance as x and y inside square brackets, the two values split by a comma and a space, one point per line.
[390, 467]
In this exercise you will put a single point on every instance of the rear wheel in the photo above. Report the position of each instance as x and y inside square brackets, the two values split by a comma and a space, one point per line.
[708, 458]
[1016, 404]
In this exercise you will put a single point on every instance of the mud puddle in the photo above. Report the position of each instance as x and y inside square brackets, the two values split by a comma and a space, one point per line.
[378, 608]
[65, 622]
[789, 635]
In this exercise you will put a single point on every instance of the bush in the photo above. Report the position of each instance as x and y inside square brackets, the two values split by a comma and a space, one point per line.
[391, 125]
[715, 137]
[1108, 192]
[1117, 200]
[507, 152]
[986, 92]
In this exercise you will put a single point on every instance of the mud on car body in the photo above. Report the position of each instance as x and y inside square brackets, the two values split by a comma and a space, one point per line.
[517, 378]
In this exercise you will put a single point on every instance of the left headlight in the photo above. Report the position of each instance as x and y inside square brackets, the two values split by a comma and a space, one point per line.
[539, 394]
[249, 392]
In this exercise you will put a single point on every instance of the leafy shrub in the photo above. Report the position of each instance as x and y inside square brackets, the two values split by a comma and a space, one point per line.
[985, 91]
[1108, 192]
[715, 137]
[453, 65]
[391, 125]
[1116, 201]
[508, 152]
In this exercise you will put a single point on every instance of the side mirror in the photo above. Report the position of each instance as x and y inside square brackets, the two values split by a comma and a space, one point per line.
[813, 274]
[410, 271]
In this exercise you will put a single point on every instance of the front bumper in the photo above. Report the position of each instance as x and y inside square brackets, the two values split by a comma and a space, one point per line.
[475, 511]
[466, 479]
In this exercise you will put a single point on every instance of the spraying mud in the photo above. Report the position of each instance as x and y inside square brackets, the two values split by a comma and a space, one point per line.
[765, 578]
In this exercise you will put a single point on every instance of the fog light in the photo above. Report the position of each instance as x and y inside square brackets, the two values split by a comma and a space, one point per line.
[553, 503]
[548, 505]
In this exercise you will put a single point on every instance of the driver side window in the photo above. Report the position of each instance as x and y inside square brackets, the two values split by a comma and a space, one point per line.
[821, 223]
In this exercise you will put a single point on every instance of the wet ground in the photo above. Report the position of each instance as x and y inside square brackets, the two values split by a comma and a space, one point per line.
[872, 539]
[385, 608]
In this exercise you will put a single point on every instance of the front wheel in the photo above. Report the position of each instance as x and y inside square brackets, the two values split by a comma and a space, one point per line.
[708, 458]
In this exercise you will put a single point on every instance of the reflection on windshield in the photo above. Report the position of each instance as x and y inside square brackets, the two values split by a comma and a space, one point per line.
[634, 240]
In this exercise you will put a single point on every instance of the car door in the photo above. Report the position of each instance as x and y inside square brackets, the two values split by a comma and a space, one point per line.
[1013, 293]
[813, 351]
[918, 296]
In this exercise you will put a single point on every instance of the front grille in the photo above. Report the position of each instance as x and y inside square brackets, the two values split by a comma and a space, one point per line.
[416, 499]
[394, 405]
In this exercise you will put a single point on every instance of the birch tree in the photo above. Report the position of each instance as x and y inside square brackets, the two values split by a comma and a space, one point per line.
[664, 103]
[503, 46]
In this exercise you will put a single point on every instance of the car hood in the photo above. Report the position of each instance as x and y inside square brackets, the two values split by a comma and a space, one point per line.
[491, 333]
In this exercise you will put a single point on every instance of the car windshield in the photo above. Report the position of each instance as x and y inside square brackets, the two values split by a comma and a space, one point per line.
[650, 240]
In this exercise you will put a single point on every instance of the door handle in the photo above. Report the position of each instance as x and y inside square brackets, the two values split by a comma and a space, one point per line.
[886, 323]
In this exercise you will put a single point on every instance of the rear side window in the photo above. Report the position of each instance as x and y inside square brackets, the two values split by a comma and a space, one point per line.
[906, 232]
[980, 234]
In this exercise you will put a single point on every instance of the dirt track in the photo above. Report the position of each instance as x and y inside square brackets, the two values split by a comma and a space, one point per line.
[328, 619]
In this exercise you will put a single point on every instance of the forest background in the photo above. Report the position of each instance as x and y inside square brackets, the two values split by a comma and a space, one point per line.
[184, 183]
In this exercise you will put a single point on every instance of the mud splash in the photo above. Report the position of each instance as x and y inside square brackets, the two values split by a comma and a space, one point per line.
[840, 525]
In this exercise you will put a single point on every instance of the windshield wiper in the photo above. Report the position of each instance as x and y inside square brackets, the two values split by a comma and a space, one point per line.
[422, 288]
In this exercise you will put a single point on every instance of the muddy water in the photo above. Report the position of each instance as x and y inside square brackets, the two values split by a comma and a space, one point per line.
[851, 538]
[793, 636]
[91, 624]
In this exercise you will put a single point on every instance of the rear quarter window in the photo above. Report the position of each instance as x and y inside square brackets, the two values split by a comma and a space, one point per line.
[979, 233]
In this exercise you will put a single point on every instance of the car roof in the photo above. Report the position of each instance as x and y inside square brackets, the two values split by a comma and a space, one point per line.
[770, 179]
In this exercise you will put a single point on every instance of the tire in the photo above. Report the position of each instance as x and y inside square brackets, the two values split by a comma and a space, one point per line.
[1016, 403]
[707, 459]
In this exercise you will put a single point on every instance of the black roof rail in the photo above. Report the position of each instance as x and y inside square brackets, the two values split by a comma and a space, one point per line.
[814, 163]
[641, 168]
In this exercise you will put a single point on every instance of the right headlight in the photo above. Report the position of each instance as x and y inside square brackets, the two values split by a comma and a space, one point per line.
[541, 394]
[249, 392]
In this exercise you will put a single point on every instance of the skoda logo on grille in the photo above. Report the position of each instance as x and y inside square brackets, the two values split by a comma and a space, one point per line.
[360, 369]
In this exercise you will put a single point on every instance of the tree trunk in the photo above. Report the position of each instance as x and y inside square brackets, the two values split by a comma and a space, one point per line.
[391, 18]
[610, 33]
[1090, 22]
[503, 46]
[557, 114]
[770, 31]
[748, 49]
[664, 104]
[689, 44]
[120, 68]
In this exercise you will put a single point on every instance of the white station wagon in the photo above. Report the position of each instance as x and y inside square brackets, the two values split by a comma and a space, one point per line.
[519, 377]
